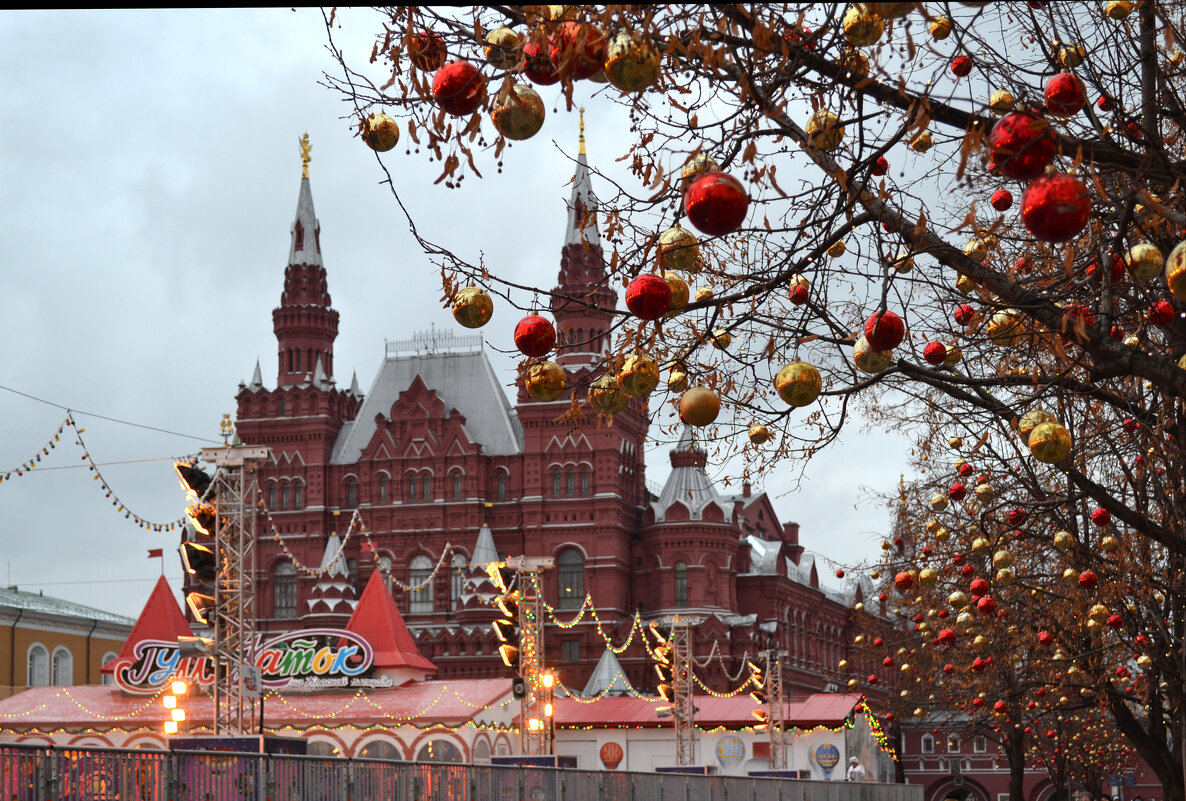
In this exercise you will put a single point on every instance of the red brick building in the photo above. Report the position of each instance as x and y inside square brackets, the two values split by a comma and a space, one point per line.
[435, 455]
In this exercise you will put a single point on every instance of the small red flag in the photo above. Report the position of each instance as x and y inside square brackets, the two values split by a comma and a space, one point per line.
[155, 552]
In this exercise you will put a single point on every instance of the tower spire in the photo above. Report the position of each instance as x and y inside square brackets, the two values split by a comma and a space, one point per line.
[582, 137]
[305, 157]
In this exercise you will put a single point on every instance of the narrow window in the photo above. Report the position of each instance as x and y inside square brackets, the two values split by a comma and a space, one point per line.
[298, 496]
[570, 482]
[586, 481]
[351, 494]
[419, 571]
[271, 496]
[284, 591]
[37, 666]
[556, 479]
[62, 670]
[283, 496]
[502, 486]
[412, 488]
[681, 584]
[426, 487]
[457, 580]
[457, 486]
[571, 571]
[382, 489]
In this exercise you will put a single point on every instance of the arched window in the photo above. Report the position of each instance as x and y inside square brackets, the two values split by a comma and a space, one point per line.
[379, 749]
[284, 591]
[980, 745]
[382, 489]
[426, 487]
[557, 480]
[108, 678]
[282, 408]
[38, 666]
[953, 743]
[681, 584]
[322, 748]
[570, 482]
[928, 744]
[457, 485]
[438, 751]
[284, 496]
[298, 496]
[351, 493]
[62, 673]
[502, 486]
[571, 569]
[482, 752]
[272, 496]
[586, 481]
[411, 489]
[457, 580]
[420, 600]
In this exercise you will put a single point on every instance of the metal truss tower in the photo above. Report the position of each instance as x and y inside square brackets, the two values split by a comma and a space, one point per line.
[236, 489]
[683, 703]
[534, 725]
[776, 711]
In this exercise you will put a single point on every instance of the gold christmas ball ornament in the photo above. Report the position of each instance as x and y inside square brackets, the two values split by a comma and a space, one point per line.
[679, 294]
[957, 599]
[922, 143]
[824, 131]
[1031, 420]
[631, 62]
[1144, 261]
[979, 544]
[703, 293]
[1050, 443]
[868, 360]
[502, 48]
[472, 307]
[928, 577]
[965, 284]
[721, 339]
[985, 493]
[955, 443]
[854, 61]
[696, 166]
[1071, 55]
[954, 354]
[903, 263]
[977, 250]
[1001, 102]
[518, 112]
[1064, 541]
[677, 378]
[380, 132]
[699, 407]
[679, 249]
[639, 375]
[1002, 558]
[759, 434]
[940, 28]
[966, 622]
[1006, 328]
[891, 10]
[798, 383]
[861, 27]
[1109, 544]
[1134, 341]
[1175, 271]
[606, 397]
[932, 525]
[939, 501]
[1099, 613]
[546, 381]
[1117, 9]
[836, 249]
[1005, 577]
[942, 535]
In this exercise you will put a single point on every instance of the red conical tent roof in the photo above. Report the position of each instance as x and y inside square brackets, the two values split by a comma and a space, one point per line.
[161, 619]
[376, 620]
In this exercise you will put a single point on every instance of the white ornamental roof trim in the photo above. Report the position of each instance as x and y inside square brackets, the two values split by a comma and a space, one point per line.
[45, 604]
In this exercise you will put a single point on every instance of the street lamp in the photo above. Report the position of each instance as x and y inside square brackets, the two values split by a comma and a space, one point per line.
[170, 702]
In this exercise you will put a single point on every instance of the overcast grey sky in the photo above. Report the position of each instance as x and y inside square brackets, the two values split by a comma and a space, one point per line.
[148, 178]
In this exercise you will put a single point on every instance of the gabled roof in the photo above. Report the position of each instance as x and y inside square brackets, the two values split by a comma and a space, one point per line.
[161, 619]
[376, 620]
[463, 381]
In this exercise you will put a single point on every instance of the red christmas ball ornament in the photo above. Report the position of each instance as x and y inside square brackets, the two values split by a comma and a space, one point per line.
[1016, 517]
[578, 49]
[648, 296]
[967, 570]
[961, 65]
[986, 605]
[1104, 103]
[965, 469]
[1002, 199]
[1021, 144]
[1055, 208]
[949, 668]
[1088, 579]
[535, 335]
[903, 582]
[872, 678]
[957, 559]
[927, 550]
[934, 353]
[878, 642]
[979, 587]
[884, 330]
[459, 88]
[965, 314]
[1117, 271]
[427, 51]
[538, 66]
[1133, 131]
[839, 574]
[957, 492]
[889, 716]
[880, 167]
[977, 703]
[888, 661]
[1000, 706]
[1115, 621]
[979, 664]
[1101, 517]
[881, 596]
[1131, 425]
[799, 294]
[716, 203]
[1117, 332]
[1141, 639]
[1161, 313]
[947, 636]
[1065, 95]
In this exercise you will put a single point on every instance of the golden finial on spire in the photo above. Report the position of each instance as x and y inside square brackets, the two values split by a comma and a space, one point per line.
[582, 110]
[305, 157]
[227, 428]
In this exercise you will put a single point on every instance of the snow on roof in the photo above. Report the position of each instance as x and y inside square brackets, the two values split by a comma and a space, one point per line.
[819, 709]
[464, 381]
[46, 604]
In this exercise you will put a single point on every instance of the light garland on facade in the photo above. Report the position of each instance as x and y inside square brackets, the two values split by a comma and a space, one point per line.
[29, 465]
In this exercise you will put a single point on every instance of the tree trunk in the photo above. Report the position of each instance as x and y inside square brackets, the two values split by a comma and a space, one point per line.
[1015, 753]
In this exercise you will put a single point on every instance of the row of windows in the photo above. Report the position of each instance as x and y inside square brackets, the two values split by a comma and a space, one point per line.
[570, 570]
[43, 671]
[564, 482]
[417, 488]
[279, 496]
[979, 744]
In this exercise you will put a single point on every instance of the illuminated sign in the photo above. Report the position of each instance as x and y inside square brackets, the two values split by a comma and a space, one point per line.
[308, 658]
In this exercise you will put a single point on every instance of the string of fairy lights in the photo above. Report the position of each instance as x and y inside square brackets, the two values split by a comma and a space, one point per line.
[30, 465]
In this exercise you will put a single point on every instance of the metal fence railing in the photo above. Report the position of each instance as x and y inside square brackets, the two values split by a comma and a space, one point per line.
[44, 773]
